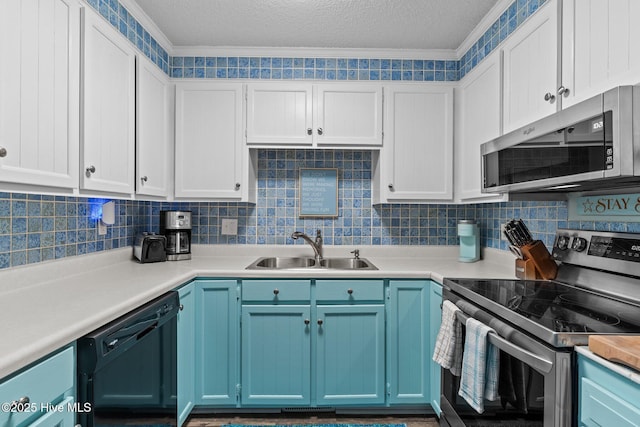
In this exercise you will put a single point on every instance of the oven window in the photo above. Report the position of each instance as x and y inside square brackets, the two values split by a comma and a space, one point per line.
[580, 148]
[521, 401]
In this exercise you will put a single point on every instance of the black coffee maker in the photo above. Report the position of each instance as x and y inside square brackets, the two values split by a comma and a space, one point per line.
[176, 227]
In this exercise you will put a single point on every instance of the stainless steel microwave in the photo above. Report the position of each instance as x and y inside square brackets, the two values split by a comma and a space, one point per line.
[594, 144]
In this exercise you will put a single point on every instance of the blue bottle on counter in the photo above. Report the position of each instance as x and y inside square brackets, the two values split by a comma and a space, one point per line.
[469, 235]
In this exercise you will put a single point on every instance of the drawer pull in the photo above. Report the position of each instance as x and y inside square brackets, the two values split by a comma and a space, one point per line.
[350, 291]
[276, 291]
[320, 322]
[307, 321]
[20, 405]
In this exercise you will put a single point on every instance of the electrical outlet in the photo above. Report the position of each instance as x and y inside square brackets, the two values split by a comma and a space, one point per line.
[229, 227]
[102, 228]
[502, 235]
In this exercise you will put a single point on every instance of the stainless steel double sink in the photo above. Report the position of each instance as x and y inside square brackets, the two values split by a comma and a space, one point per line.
[284, 263]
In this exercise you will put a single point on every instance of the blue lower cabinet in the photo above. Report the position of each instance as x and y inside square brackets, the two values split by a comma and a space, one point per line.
[435, 318]
[276, 362]
[606, 398]
[186, 356]
[217, 348]
[408, 345]
[350, 354]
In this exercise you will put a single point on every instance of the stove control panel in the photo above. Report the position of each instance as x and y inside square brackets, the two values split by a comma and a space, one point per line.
[603, 250]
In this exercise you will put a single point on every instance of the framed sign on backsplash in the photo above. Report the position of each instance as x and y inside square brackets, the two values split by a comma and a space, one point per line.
[611, 207]
[318, 192]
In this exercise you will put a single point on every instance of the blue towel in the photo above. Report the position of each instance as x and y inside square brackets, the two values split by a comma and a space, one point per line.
[480, 366]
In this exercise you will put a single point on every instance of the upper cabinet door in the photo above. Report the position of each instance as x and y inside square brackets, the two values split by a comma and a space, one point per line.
[279, 114]
[600, 48]
[108, 144]
[348, 115]
[531, 69]
[153, 112]
[209, 149]
[39, 92]
[478, 115]
[416, 162]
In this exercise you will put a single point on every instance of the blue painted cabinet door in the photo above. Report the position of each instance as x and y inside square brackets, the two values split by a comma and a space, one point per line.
[216, 342]
[349, 362]
[185, 353]
[408, 369]
[435, 315]
[276, 362]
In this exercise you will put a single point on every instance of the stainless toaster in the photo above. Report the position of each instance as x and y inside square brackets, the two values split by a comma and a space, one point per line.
[150, 247]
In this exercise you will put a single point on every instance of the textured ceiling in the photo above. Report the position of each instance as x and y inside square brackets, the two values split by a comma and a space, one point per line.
[359, 24]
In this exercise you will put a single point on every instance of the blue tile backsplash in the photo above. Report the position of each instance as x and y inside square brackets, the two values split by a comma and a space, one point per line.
[36, 228]
[273, 68]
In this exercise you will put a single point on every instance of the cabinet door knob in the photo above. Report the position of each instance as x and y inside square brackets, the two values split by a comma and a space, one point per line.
[320, 322]
[237, 186]
[276, 291]
[563, 91]
[391, 187]
[144, 179]
[309, 131]
[91, 169]
[549, 97]
[320, 131]
[181, 307]
[350, 291]
[3, 152]
[307, 321]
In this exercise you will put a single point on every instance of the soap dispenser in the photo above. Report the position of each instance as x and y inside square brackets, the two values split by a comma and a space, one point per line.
[469, 241]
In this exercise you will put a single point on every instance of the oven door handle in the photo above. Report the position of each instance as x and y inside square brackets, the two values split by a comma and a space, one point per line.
[533, 360]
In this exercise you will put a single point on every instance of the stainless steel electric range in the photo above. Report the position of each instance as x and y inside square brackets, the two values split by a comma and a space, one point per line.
[538, 322]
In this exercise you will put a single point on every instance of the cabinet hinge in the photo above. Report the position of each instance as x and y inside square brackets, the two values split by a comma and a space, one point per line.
[238, 390]
[388, 389]
[388, 293]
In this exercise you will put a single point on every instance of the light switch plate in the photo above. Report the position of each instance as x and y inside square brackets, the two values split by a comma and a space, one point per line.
[229, 227]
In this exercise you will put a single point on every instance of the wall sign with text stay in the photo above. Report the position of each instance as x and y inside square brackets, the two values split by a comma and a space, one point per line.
[318, 192]
[612, 207]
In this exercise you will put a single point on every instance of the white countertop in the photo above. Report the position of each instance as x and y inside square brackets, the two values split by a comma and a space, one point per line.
[626, 372]
[49, 305]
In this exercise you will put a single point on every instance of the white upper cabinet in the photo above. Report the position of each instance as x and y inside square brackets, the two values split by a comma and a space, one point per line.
[305, 115]
[279, 114]
[108, 142]
[39, 92]
[416, 161]
[153, 129]
[478, 115]
[531, 69]
[600, 46]
[348, 115]
[211, 159]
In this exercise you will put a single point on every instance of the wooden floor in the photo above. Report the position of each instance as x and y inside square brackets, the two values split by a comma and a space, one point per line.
[217, 421]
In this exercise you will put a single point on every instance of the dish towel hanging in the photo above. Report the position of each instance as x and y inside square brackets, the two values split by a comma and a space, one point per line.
[448, 349]
[480, 366]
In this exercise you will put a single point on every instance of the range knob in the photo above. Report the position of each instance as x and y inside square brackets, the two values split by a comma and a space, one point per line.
[563, 242]
[579, 244]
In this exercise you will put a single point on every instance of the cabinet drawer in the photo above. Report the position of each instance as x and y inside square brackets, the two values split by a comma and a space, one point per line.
[600, 407]
[275, 291]
[349, 290]
[43, 383]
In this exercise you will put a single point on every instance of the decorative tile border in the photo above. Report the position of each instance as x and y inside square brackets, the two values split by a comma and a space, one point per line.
[120, 18]
[304, 68]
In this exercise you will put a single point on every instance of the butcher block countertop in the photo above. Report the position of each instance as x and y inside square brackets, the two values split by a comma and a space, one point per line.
[617, 348]
[51, 304]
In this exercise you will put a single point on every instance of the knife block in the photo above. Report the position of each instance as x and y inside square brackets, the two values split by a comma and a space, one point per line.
[526, 270]
[537, 253]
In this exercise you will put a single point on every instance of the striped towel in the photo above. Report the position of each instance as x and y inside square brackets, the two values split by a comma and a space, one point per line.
[480, 366]
[448, 349]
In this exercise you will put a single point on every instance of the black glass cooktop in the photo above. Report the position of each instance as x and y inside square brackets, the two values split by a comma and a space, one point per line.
[558, 307]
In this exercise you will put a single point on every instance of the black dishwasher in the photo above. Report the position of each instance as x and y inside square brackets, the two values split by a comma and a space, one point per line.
[127, 369]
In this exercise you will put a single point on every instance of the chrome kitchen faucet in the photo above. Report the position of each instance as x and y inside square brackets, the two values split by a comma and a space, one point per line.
[317, 245]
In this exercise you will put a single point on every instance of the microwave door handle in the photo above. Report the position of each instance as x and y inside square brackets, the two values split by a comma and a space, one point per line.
[533, 360]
